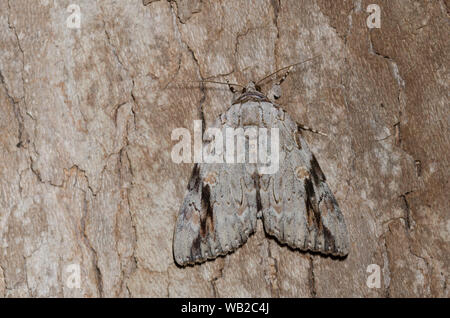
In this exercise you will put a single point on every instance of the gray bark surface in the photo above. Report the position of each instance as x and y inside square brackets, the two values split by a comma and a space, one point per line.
[86, 115]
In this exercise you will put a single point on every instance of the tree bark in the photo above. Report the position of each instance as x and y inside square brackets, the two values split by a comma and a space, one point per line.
[86, 116]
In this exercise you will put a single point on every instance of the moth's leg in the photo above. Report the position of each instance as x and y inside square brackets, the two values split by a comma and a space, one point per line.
[275, 92]
[284, 76]
[231, 87]
[303, 127]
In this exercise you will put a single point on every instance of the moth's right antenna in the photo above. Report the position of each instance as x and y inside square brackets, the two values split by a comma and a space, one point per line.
[286, 67]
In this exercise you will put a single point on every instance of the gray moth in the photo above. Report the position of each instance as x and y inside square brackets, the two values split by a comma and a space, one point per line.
[224, 201]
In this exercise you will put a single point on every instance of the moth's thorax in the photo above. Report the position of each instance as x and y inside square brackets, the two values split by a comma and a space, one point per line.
[250, 114]
[250, 93]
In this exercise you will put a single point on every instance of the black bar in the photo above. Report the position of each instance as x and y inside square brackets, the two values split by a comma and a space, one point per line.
[264, 307]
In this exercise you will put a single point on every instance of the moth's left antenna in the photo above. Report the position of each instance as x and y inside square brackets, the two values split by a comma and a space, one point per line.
[230, 85]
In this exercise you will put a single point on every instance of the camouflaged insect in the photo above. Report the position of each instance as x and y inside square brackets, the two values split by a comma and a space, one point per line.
[224, 201]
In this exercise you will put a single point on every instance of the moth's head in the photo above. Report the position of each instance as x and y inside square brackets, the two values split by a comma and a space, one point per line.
[251, 87]
[250, 92]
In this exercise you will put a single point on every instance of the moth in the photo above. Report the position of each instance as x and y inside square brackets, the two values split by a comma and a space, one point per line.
[224, 201]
